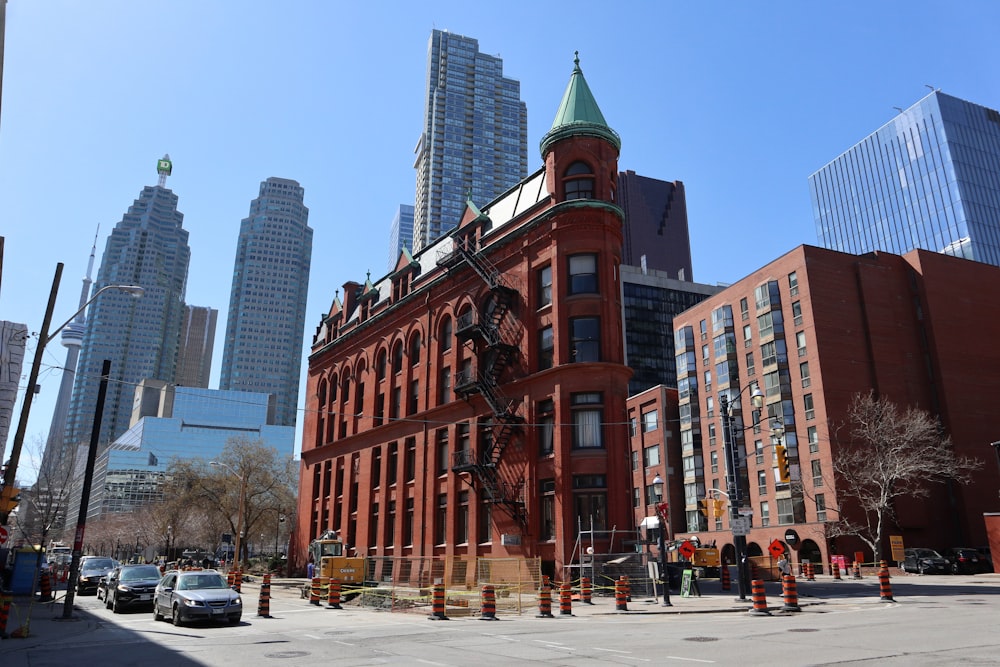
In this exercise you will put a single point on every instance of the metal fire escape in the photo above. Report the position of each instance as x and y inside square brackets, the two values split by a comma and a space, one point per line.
[494, 337]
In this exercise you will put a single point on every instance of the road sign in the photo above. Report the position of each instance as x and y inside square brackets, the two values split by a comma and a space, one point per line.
[746, 511]
[3, 535]
[776, 548]
[686, 549]
[896, 544]
[741, 526]
[791, 537]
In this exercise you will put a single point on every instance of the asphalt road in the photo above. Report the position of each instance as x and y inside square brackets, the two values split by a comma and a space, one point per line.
[935, 620]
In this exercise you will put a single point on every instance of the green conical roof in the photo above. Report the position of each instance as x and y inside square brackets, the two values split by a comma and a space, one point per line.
[578, 113]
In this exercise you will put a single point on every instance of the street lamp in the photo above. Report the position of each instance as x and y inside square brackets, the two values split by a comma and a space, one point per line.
[661, 539]
[733, 480]
[239, 513]
[10, 475]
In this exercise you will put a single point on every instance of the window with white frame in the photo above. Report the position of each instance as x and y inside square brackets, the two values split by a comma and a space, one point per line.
[583, 274]
[587, 419]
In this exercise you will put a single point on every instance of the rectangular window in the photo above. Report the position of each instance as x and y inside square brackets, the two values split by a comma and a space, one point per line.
[376, 467]
[373, 528]
[587, 421]
[758, 448]
[751, 367]
[765, 513]
[793, 283]
[636, 499]
[583, 274]
[394, 401]
[462, 519]
[442, 451]
[445, 386]
[744, 308]
[761, 483]
[485, 522]
[390, 526]
[635, 460]
[379, 409]
[797, 313]
[441, 520]
[585, 339]
[649, 420]
[590, 509]
[545, 286]
[652, 456]
[807, 403]
[820, 507]
[547, 513]
[804, 374]
[393, 463]
[410, 462]
[546, 427]
[817, 473]
[633, 425]
[785, 513]
[813, 436]
[714, 458]
[414, 397]
[546, 348]
[800, 342]
[747, 335]
[408, 523]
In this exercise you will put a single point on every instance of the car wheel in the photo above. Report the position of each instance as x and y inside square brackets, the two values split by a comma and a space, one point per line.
[175, 616]
[234, 620]
[157, 616]
[115, 607]
[920, 568]
[107, 602]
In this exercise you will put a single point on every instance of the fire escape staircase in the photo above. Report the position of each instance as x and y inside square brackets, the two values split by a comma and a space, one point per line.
[491, 334]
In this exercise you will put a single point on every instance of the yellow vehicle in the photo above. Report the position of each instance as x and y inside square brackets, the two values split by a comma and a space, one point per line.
[708, 559]
[329, 553]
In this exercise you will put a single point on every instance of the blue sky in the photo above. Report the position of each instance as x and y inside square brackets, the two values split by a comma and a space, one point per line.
[741, 101]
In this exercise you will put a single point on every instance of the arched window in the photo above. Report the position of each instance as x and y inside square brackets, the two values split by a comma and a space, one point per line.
[579, 181]
[381, 364]
[415, 349]
[322, 416]
[446, 334]
[397, 358]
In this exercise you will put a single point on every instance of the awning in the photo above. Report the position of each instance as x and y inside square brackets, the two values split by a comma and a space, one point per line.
[650, 522]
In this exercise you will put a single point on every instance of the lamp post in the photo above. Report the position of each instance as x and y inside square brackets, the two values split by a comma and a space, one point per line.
[277, 530]
[239, 513]
[734, 478]
[44, 338]
[662, 508]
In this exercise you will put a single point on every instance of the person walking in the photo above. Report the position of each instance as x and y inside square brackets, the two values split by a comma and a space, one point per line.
[784, 567]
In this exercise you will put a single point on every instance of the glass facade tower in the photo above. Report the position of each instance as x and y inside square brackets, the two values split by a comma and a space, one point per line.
[140, 336]
[400, 234]
[928, 179]
[475, 138]
[267, 304]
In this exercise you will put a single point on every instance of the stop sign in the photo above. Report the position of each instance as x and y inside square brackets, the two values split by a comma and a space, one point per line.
[3, 535]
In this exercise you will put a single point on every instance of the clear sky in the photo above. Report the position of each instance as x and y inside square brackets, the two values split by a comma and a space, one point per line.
[741, 101]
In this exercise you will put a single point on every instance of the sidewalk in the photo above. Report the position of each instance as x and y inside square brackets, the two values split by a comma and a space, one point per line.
[43, 623]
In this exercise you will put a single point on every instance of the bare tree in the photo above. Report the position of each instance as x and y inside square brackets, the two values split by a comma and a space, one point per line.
[888, 454]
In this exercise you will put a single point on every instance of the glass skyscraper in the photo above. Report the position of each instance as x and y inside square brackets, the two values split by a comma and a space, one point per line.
[929, 179]
[400, 234]
[140, 336]
[267, 304]
[475, 138]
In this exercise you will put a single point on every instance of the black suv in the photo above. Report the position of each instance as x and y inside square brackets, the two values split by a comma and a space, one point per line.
[131, 586]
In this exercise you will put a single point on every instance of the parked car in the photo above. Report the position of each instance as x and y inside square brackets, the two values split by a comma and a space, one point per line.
[129, 586]
[91, 572]
[965, 560]
[196, 595]
[925, 561]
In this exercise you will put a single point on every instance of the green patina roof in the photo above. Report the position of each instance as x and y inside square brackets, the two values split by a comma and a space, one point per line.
[578, 113]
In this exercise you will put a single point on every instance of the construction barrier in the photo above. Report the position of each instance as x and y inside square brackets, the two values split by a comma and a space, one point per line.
[437, 604]
[621, 598]
[544, 602]
[546, 582]
[315, 590]
[724, 577]
[884, 587]
[45, 587]
[333, 595]
[231, 578]
[565, 599]
[628, 589]
[810, 572]
[857, 570]
[264, 602]
[790, 594]
[4, 615]
[586, 591]
[759, 598]
[489, 602]
[238, 581]
[835, 567]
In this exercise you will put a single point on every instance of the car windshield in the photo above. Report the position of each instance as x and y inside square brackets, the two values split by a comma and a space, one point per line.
[137, 573]
[927, 553]
[193, 582]
[98, 564]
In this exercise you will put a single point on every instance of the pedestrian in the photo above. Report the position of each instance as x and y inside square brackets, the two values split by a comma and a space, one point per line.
[310, 569]
[784, 567]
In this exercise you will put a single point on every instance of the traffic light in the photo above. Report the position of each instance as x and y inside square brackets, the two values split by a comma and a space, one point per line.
[784, 471]
[10, 496]
[704, 507]
[718, 507]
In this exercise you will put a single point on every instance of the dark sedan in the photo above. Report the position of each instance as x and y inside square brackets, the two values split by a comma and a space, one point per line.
[195, 595]
[131, 586]
[91, 572]
[966, 561]
[925, 561]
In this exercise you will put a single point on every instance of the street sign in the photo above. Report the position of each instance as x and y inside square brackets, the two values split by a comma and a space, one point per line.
[741, 526]
[3, 535]
[686, 549]
[791, 537]
[776, 549]
[896, 544]
[746, 511]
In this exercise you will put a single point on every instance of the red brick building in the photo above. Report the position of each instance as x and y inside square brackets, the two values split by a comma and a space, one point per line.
[810, 330]
[472, 402]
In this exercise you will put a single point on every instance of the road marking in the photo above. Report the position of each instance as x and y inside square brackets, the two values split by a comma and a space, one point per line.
[312, 636]
[674, 657]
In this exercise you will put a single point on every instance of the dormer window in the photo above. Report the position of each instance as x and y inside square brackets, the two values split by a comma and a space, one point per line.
[579, 181]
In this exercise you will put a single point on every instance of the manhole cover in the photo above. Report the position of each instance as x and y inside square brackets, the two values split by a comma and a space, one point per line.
[701, 639]
[803, 629]
[287, 654]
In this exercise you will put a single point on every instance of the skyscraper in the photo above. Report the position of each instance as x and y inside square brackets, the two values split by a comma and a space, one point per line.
[656, 225]
[474, 145]
[149, 248]
[928, 179]
[194, 360]
[401, 233]
[267, 305]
